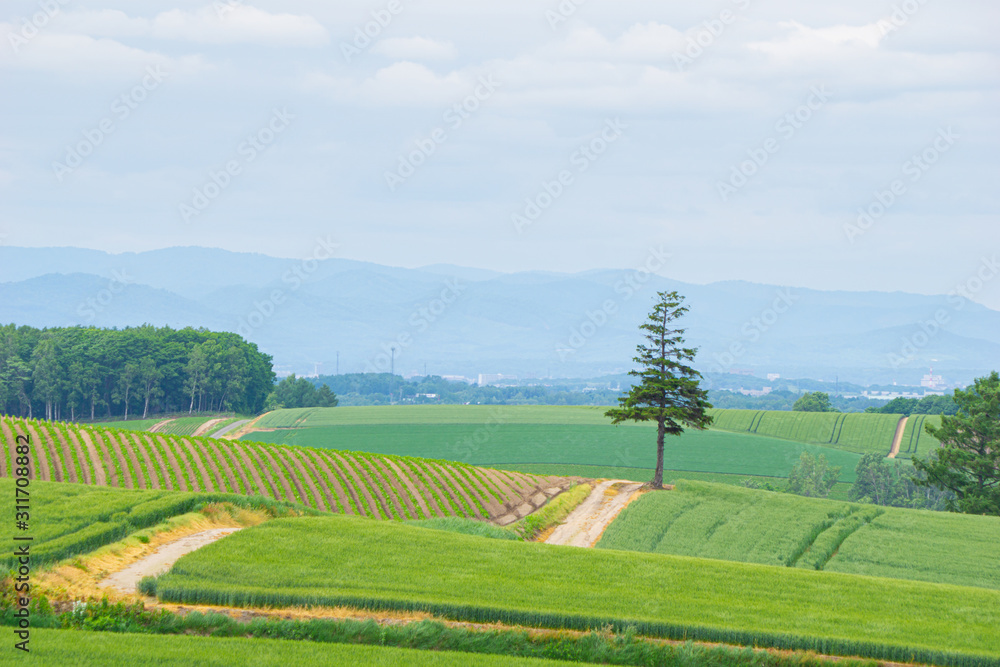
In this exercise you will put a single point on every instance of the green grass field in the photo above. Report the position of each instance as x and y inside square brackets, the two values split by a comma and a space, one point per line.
[510, 437]
[66, 648]
[853, 432]
[131, 424]
[349, 561]
[916, 440]
[715, 521]
[188, 425]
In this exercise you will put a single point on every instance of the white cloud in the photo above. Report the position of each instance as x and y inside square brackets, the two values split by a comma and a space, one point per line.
[80, 54]
[241, 24]
[101, 23]
[801, 41]
[415, 48]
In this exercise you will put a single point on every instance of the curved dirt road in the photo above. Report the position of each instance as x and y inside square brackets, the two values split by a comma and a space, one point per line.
[162, 559]
[898, 438]
[222, 432]
[585, 525]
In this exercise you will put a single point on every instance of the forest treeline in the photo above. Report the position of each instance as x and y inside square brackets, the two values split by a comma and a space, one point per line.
[86, 372]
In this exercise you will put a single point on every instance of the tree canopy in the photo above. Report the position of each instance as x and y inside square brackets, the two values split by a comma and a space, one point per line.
[668, 391]
[928, 405]
[812, 476]
[67, 372]
[814, 401]
[968, 463]
[293, 392]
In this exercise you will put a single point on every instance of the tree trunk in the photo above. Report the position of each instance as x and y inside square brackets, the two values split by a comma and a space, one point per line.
[145, 409]
[661, 430]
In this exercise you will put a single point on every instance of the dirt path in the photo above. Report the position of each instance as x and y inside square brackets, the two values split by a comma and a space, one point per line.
[162, 559]
[231, 427]
[158, 425]
[898, 438]
[207, 426]
[585, 525]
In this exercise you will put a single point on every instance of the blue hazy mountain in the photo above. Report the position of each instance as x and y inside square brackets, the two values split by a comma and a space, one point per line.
[462, 321]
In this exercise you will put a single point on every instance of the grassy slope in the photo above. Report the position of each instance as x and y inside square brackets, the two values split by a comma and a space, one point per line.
[860, 433]
[69, 519]
[713, 521]
[349, 560]
[508, 437]
[839, 491]
[68, 647]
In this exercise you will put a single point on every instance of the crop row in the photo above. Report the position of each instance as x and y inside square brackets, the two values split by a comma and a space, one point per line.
[916, 439]
[314, 561]
[383, 486]
[854, 432]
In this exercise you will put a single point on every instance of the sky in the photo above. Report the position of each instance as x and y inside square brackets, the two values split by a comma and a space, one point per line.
[849, 145]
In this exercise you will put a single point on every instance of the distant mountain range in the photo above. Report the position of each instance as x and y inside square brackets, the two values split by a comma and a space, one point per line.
[453, 320]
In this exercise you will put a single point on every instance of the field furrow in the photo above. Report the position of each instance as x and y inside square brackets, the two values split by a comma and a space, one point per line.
[177, 464]
[84, 455]
[259, 464]
[203, 478]
[51, 469]
[160, 464]
[275, 473]
[321, 481]
[345, 491]
[401, 497]
[354, 479]
[219, 455]
[310, 493]
[254, 483]
[111, 464]
[414, 494]
[383, 507]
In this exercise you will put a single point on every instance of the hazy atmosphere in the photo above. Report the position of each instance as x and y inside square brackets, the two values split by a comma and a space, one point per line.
[840, 145]
[524, 333]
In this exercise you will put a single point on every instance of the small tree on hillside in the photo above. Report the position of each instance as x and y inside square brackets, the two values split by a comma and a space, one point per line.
[812, 476]
[668, 391]
[968, 462]
[816, 401]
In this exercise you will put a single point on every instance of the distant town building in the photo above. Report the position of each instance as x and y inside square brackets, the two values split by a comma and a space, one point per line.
[756, 393]
[493, 378]
[932, 381]
[457, 378]
[771, 377]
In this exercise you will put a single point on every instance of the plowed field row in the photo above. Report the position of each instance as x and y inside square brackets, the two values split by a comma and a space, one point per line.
[374, 485]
